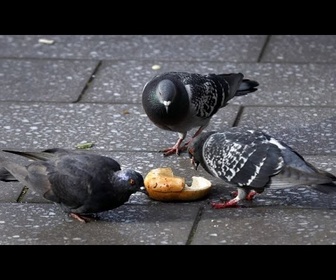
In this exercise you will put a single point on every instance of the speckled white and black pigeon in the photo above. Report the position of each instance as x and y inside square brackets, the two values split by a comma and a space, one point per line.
[253, 161]
[81, 182]
[180, 101]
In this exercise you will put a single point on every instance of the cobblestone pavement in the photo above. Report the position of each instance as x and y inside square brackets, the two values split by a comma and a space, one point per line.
[67, 89]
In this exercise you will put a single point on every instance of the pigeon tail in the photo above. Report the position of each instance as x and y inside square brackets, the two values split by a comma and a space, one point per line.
[15, 170]
[44, 155]
[246, 87]
[325, 188]
[6, 176]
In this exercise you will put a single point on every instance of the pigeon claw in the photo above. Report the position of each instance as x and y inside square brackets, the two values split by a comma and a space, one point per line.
[173, 150]
[227, 204]
[170, 151]
[81, 218]
[176, 149]
[249, 196]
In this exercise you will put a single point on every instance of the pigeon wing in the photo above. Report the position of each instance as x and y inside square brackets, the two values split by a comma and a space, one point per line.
[242, 159]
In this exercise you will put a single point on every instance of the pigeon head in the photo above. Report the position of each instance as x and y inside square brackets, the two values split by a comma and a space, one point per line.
[130, 179]
[193, 160]
[195, 148]
[166, 91]
[192, 151]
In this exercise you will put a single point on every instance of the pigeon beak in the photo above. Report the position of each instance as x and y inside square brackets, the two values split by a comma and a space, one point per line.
[143, 190]
[194, 163]
[166, 104]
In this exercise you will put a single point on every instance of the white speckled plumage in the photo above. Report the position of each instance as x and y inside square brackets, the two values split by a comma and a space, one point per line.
[252, 160]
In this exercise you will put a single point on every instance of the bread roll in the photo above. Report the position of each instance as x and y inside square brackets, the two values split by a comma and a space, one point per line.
[161, 184]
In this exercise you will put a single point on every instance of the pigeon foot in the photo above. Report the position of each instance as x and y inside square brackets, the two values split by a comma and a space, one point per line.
[172, 150]
[81, 218]
[249, 196]
[227, 204]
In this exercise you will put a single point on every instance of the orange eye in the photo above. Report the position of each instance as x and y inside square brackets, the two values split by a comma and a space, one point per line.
[132, 182]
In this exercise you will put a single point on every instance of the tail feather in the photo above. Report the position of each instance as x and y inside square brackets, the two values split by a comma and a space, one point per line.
[246, 87]
[325, 188]
[6, 176]
[298, 176]
[17, 171]
[238, 85]
[44, 155]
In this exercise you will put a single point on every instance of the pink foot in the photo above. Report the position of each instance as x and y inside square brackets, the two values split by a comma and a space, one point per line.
[249, 196]
[229, 204]
[81, 218]
[171, 151]
[176, 149]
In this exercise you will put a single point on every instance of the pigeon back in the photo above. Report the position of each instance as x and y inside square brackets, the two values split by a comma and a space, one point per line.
[254, 159]
[230, 157]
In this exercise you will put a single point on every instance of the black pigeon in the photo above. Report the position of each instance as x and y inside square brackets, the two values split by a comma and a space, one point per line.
[180, 101]
[83, 183]
[252, 161]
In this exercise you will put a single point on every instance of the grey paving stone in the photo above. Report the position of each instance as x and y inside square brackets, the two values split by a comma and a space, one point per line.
[46, 224]
[44, 80]
[34, 222]
[123, 81]
[280, 84]
[10, 191]
[301, 196]
[295, 102]
[309, 130]
[110, 127]
[291, 85]
[166, 47]
[301, 49]
[266, 226]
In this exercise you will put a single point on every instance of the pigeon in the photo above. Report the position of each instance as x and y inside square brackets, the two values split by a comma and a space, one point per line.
[252, 161]
[81, 182]
[181, 101]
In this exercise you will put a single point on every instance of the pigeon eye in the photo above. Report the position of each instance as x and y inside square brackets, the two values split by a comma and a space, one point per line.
[132, 182]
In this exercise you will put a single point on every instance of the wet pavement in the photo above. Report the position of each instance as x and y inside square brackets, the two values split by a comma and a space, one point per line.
[88, 88]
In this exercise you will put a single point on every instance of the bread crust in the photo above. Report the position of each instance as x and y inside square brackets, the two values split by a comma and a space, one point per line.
[161, 184]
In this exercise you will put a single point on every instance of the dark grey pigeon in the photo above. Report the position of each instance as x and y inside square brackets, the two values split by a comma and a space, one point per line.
[83, 183]
[180, 101]
[252, 161]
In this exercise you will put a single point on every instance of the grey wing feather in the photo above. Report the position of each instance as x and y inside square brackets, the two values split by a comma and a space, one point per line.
[240, 163]
[206, 95]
